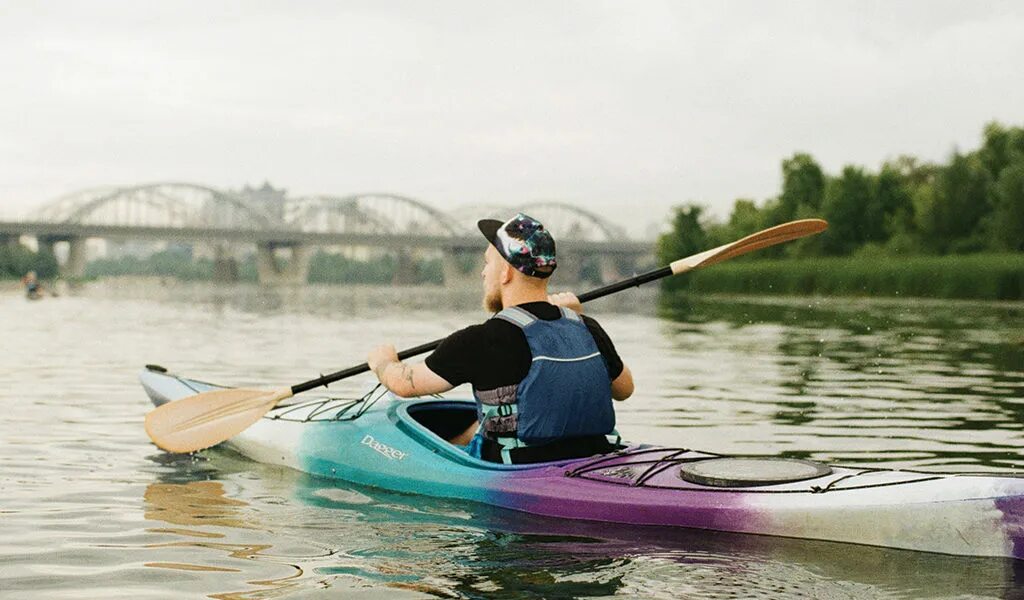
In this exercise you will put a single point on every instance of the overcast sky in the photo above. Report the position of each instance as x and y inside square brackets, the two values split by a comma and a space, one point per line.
[625, 107]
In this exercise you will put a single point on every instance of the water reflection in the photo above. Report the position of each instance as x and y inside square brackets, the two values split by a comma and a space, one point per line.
[200, 503]
[857, 381]
[909, 384]
[486, 552]
[196, 507]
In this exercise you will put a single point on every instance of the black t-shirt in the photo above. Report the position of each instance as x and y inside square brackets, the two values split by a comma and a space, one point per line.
[495, 353]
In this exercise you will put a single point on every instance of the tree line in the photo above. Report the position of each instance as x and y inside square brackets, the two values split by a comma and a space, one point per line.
[323, 268]
[17, 260]
[972, 203]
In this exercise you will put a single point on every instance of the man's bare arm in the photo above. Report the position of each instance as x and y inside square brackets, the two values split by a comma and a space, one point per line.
[622, 386]
[403, 379]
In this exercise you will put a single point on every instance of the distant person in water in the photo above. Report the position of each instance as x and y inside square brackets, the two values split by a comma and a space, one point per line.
[33, 289]
[543, 374]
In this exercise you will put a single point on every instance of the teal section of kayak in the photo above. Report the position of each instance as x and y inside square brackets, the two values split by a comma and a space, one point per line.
[385, 448]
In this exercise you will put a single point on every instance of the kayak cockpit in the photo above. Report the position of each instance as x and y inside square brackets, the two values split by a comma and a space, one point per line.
[432, 423]
[444, 418]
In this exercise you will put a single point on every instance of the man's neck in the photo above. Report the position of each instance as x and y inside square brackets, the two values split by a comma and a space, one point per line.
[515, 297]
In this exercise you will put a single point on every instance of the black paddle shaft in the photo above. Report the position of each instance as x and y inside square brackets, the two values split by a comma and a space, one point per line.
[635, 281]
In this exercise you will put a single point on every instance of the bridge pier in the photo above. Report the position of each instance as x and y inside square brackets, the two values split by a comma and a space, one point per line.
[405, 268]
[73, 265]
[225, 266]
[270, 270]
[576, 267]
[46, 244]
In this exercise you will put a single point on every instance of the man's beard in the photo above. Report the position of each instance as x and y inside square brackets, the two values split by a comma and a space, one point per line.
[492, 301]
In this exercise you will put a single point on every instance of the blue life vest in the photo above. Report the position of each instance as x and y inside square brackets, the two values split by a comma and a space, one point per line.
[566, 393]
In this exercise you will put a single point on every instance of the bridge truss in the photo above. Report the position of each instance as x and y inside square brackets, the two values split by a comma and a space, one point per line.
[168, 205]
[287, 229]
[187, 205]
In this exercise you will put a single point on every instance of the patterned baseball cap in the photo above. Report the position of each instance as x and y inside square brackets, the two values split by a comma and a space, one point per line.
[523, 242]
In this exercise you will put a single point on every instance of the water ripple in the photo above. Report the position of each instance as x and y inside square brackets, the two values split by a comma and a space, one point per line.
[88, 508]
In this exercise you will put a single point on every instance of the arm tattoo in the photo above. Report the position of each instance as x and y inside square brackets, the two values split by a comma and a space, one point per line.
[408, 375]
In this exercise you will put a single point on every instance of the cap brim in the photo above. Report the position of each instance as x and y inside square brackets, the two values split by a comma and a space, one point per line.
[489, 227]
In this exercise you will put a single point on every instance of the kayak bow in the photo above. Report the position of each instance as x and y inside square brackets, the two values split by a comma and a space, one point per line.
[399, 445]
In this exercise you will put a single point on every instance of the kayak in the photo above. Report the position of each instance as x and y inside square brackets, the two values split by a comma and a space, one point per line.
[399, 445]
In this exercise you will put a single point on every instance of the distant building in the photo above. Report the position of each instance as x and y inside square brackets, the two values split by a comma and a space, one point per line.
[267, 198]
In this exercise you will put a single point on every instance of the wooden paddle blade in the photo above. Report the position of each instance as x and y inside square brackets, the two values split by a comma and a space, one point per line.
[209, 418]
[756, 241]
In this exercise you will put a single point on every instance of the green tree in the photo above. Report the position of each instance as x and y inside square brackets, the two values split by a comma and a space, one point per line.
[16, 260]
[45, 264]
[745, 218]
[1001, 147]
[971, 203]
[892, 198]
[850, 207]
[686, 237]
[803, 185]
[335, 268]
[1008, 214]
[948, 217]
[170, 262]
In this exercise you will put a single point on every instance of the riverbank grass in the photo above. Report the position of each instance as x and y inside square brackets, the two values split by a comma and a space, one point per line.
[976, 276]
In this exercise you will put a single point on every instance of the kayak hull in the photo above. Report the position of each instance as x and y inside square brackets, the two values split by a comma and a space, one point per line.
[387, 444]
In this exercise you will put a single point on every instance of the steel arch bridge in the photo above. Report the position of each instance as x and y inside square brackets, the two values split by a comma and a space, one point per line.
[564, 221]
[183, 205]
[467, 215]
[569, 222]
[226, 222]
[381, 213]
[58, 209]
[166, 205]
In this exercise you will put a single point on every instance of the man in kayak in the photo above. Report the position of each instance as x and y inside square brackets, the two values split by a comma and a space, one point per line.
[33, 290]
[543, 375]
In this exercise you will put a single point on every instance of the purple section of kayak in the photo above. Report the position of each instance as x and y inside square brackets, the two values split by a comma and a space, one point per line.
[583, 499]
[1012, 508]
[641, 489]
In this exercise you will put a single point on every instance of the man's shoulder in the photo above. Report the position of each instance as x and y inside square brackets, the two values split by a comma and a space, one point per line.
[543, 310]
[591, 322]
[481, 332]
[546, 311]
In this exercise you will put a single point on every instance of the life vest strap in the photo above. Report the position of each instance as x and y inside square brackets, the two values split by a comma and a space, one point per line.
[512, 451]
[516, 316]
[490, 411]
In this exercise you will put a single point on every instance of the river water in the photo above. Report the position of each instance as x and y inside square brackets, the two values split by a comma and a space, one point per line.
[90, 509]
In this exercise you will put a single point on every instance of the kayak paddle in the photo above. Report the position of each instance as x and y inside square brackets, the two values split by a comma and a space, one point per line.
[209, 418]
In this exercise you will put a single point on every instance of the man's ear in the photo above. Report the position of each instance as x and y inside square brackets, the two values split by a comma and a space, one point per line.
[506, 273]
